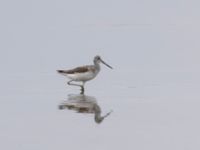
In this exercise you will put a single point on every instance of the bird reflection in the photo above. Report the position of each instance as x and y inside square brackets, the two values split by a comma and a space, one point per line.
[84, 104]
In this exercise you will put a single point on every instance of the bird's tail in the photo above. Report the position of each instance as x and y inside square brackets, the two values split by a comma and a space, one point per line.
[60, 71]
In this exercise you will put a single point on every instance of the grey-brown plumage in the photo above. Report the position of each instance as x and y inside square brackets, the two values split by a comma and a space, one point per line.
[75, 70]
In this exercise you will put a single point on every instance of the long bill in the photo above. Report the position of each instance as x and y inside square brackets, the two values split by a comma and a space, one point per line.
[106, 64]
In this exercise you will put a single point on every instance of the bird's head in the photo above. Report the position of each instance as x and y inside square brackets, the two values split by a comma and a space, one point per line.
[98, 60]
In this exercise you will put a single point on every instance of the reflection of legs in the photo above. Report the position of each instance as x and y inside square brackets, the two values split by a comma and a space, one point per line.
[82, 86]
[82, 89]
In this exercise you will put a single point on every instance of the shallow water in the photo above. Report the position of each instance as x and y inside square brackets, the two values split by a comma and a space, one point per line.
[149, 115]
[149, 101]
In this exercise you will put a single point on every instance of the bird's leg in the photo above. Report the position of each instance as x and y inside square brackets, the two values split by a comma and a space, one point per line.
[69, 83]
[82, 86]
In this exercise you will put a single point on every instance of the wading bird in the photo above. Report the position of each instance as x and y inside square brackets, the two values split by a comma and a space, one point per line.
[83, 73]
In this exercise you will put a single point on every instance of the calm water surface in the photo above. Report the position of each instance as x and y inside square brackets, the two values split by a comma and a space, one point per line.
[149, 101]
[39, 111]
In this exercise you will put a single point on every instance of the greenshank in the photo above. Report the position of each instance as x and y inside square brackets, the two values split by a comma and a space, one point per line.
[84, 73]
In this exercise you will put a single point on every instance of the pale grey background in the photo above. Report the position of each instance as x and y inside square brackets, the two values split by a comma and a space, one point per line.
[154, 88]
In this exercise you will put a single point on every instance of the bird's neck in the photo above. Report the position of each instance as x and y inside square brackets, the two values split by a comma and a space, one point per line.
[97, 65]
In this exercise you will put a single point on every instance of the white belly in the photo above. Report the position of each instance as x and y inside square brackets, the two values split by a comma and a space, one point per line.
[81, 76]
